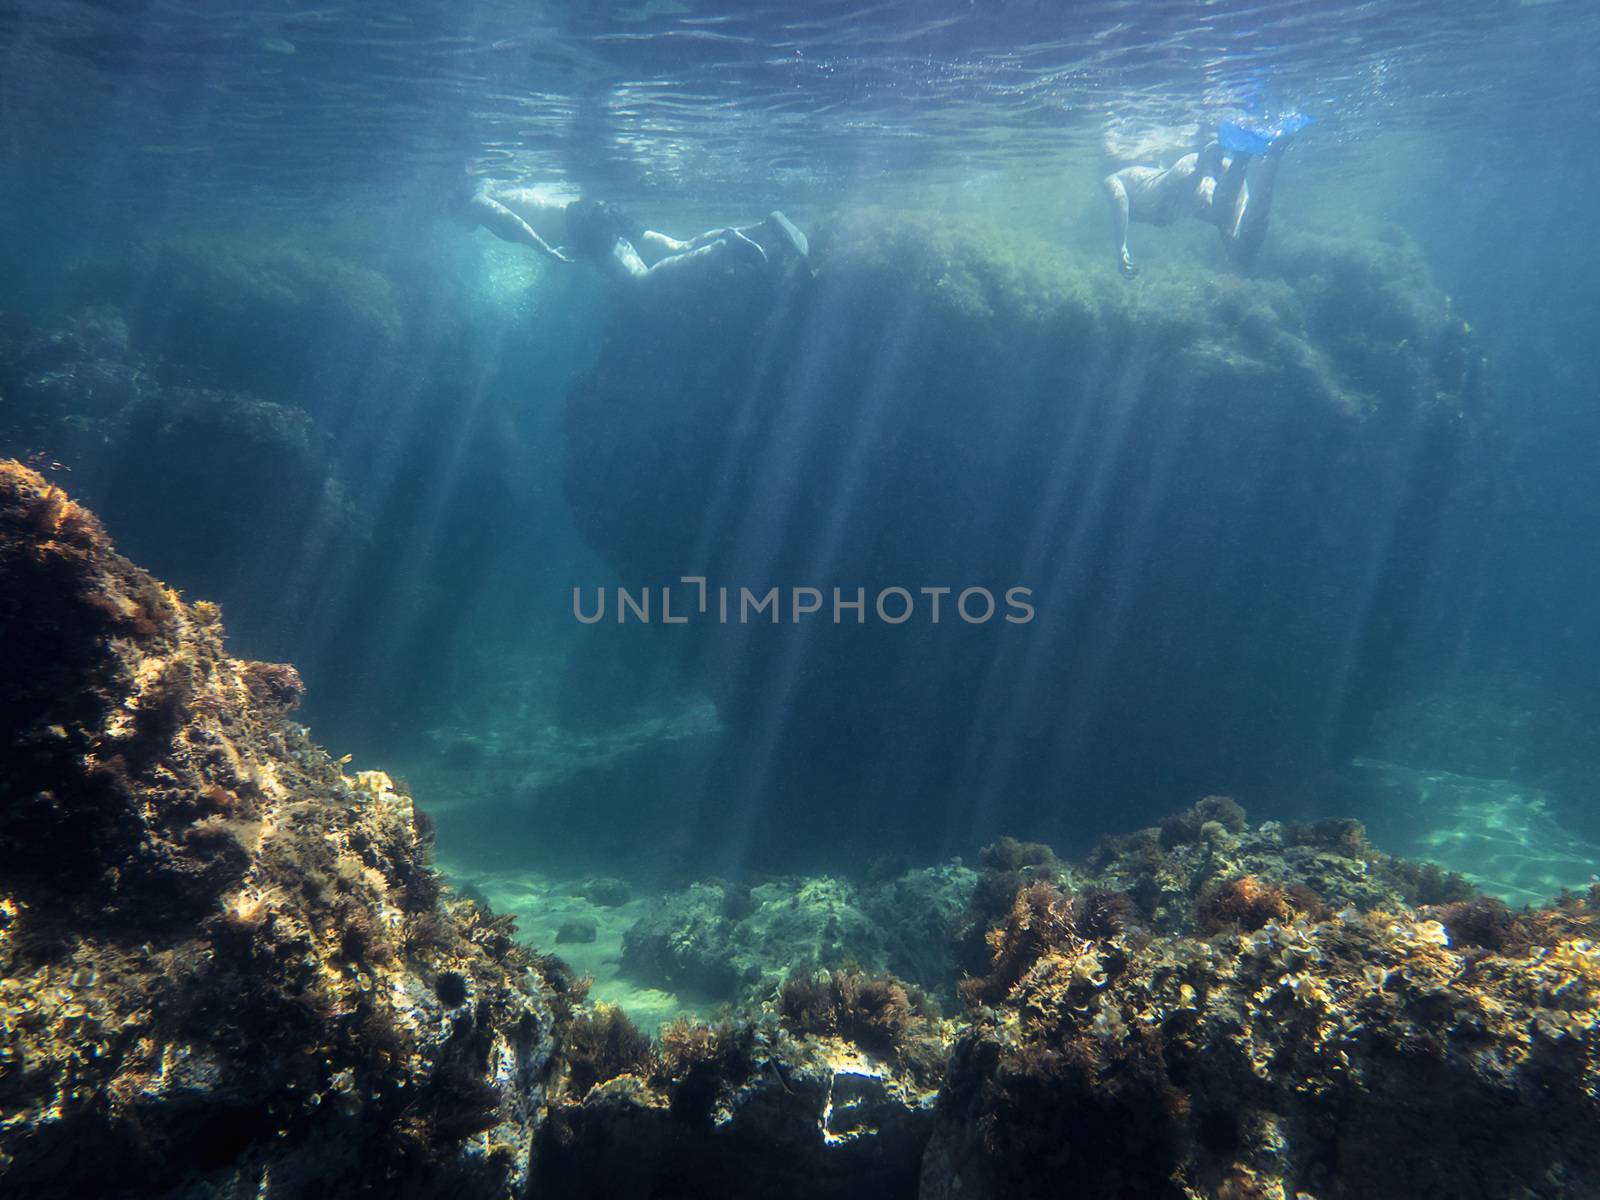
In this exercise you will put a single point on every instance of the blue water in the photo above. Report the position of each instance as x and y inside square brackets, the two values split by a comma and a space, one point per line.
[434, 622]
[282, 105]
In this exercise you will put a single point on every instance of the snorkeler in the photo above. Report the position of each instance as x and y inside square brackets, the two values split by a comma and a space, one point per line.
[600, 233]
[1208, 186]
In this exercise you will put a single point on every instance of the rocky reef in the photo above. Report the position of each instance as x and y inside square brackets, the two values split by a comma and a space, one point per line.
[1260, 1038]
[227, 969]
[1190, 472]
[226, 966]
[1200, 1009]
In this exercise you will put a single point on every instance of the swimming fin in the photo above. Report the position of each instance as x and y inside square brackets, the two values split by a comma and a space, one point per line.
[1237, 138]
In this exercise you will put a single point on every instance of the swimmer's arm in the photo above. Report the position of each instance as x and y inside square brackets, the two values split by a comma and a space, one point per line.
[1117, 195]
[508, 227]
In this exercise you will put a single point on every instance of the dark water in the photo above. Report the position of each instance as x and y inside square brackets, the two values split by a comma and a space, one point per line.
[458, 433]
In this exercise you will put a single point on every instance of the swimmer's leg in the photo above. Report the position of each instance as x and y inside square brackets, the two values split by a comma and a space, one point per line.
[657, 247]
[1227, 201]
[499, 220]
[1117, 195]
[626, 263]
[1243, 235]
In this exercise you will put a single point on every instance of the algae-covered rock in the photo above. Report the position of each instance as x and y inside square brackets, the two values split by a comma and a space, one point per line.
[1203, 1009]
[920, 913]
[742, 1109]
[735, 941]
[216, 303]
[1190, 473]
[1359, 1055]
[1170, 871]
[224, 488]
[1269, 1040]
[224, 964]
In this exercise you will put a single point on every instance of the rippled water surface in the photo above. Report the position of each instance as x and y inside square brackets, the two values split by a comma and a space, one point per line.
[692, 94]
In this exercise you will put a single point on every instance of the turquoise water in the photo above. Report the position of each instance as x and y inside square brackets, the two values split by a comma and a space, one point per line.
[1274, 525]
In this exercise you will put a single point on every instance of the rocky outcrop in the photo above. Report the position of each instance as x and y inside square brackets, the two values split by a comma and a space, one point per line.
[1200, 1009]
[1223, 491]
[278, 427]
[226, 967]
[1225, 1030]
[216, 303]
[744, 1109]
[225, 489]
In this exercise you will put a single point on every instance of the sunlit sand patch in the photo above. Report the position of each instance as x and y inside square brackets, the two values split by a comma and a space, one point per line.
[543, 905]
[1504, 837]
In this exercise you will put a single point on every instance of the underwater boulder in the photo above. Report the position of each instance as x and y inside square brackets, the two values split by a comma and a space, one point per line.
[1347, 1055]
[1226, 495]
[239, 497]
[224, 961]
[279, 318]
[743, 1110]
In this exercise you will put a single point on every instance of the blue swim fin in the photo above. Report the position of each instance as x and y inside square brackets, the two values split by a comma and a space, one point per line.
[1236, 139]
[1243, 139]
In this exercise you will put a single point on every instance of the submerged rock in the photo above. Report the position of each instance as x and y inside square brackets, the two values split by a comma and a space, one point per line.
[226, 489]
[1190, 473]
[734, 941]
[606, 892]
[579, 929]
[1181, 1016]
[1264, 1044]
[215, 302]
[751, 1107]
[224, 964]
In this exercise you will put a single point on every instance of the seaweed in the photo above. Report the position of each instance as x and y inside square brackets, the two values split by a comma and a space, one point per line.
[874, 1011]
[1487, 922]
[1248, 903]
[602, 1044]
[1428, 883]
